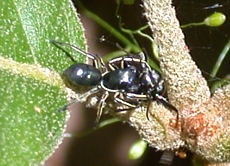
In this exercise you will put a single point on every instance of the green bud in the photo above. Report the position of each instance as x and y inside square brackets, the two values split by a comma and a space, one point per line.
[137, 150]
[215, 20]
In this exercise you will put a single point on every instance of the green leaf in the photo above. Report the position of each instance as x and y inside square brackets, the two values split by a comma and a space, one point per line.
[31, 90]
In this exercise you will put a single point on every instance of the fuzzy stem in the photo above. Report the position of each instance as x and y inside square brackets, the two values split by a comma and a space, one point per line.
[180, 71]
[204, 119]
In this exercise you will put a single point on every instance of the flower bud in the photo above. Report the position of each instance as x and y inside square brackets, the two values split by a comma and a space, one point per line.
[215, 20]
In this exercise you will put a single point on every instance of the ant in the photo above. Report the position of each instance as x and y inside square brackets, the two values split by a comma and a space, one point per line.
[130, 79]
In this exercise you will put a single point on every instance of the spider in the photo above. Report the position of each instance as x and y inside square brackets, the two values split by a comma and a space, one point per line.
[129, 79]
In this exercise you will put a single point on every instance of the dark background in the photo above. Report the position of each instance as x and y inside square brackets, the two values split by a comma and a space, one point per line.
[109, 146]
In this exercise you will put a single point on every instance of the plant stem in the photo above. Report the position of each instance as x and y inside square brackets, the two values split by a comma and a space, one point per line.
[220, 59]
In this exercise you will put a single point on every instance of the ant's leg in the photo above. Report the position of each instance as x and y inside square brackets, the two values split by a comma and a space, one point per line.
[141, 59]
[118, 99]
[147, 111]
[138, 60]
[142, 55]
[159, 98]
[122, 61]
[136, 96]
[83, 96]
[140, 97]
[101, 106]
[101, 63]
[164, 101]
[112, 66]
[112, 62]
[98, 62]
[130, 59]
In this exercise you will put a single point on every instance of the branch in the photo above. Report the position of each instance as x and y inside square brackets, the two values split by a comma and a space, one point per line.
[204, 120]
